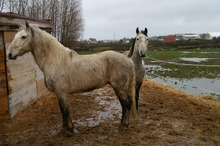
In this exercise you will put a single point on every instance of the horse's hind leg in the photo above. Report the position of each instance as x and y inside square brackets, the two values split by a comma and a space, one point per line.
[67, 129]
[126, 102]
[126, 107]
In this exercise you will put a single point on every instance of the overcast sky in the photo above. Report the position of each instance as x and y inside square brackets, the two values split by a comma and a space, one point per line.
[109, 19]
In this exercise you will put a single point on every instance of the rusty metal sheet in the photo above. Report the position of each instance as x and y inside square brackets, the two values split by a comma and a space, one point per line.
[4, 113]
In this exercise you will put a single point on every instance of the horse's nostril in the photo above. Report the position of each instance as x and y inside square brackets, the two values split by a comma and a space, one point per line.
[10, 55]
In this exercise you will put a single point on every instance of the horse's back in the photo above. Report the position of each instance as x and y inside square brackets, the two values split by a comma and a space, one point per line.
[119, 67]
[116, 59]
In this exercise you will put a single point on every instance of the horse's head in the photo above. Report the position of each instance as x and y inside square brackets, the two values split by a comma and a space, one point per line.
[141, 42]
[22, 42]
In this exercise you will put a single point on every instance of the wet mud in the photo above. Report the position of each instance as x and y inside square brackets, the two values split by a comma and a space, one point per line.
[166, 117]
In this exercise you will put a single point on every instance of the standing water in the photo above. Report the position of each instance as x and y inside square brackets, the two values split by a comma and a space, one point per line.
[195, 86]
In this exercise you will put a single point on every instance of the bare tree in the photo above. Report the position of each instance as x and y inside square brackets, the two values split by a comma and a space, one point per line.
[11, 5]
[71, 21]
[2, 3]
[53, 15]
[65, 15]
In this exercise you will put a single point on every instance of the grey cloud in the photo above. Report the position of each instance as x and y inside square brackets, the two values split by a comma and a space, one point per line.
[103, 18]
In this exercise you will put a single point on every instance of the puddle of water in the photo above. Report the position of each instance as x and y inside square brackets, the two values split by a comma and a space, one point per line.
[195, 59]
[186, 52]
[111, 110]
[112, 107]
[208, 52]
[198, 52]
[195, 87]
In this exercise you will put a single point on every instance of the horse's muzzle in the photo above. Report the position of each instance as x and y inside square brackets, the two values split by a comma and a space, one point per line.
[10, 56]
[142, 53]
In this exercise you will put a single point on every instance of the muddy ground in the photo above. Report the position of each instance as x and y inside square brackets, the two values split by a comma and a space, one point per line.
[166, 117]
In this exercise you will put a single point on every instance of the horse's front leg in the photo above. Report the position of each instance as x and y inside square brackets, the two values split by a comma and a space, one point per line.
[137, 96]
[67, 129]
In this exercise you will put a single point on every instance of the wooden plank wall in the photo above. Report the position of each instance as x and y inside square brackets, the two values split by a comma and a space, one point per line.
[4, 113]
[21, 79]
[25, 81]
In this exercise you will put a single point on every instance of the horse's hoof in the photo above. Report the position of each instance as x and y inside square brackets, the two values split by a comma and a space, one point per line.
[122, 129]
[65, 133]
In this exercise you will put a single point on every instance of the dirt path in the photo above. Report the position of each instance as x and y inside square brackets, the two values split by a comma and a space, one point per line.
[166, 117]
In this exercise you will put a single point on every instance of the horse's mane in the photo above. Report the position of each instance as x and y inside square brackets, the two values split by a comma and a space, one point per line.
[132, 48]
[52, 46]
[144, 33]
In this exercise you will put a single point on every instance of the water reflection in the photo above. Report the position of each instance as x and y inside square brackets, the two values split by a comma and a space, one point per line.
[111, 110]
[195, 87]
[194, 59]
[198, 52]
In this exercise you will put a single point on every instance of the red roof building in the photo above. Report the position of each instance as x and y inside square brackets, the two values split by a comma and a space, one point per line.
[171, 38]
[92, 40]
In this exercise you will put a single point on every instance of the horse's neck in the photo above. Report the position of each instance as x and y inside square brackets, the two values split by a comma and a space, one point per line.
[136, 58]
[47, 50]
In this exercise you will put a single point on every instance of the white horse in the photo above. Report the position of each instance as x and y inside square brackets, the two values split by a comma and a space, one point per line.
[136, 53]
[67, 72]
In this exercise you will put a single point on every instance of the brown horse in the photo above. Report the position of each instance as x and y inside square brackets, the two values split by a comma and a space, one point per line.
[67, 72]
[136, 53]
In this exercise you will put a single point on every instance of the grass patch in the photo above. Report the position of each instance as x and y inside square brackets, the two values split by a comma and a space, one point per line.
[175, 54]
[181, 71]
[208, 98]
[185, 72]
[88, 52]
[212, 98]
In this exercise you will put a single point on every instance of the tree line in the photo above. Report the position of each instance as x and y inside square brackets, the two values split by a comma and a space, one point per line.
[65, 15]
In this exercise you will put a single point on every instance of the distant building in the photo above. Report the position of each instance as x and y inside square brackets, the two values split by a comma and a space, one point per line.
[186, 37]
[171, 38]
[108, 41]
[211, 35]
[92, 41]
[126, 40]
[154, 38]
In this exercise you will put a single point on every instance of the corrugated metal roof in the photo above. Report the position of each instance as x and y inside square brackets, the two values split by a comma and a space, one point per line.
[10, 21]
[14, 15]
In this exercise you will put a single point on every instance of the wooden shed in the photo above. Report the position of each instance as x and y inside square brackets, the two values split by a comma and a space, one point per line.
[21, 81]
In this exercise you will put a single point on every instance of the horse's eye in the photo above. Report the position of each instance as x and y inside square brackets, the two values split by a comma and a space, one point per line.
[24, 37]
[137, 39]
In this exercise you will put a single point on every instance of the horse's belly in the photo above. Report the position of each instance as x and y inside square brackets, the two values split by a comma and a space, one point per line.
[88, 83]
[87, 88]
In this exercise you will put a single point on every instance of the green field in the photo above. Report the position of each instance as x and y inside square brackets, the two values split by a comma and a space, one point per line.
[174, 54]
[183, 70]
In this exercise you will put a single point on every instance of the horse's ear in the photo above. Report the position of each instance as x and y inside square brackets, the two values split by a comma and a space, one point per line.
[19, 24]
[146, 31]
[137, 30]
[27, 24]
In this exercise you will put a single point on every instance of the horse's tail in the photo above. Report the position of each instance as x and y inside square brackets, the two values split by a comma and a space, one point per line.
[132, 95]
